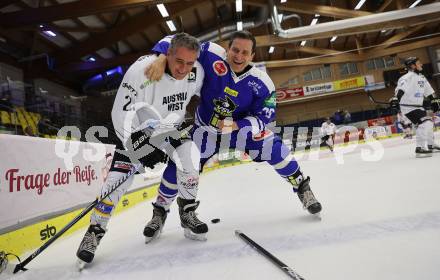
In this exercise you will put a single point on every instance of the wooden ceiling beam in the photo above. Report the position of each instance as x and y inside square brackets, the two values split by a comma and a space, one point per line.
[199, 21]
[399, 36]
[131, 26]
[4, 3]
[354, 57]
[110, 25]
[312, 9]
[384, 6]
[359, 44]
[404, 47]
[75, 9]
[314, 50]
[63, 29]
[400, 5]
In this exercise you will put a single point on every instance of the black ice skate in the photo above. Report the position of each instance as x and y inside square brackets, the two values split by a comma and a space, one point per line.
[193, 227]
[154, 227]
[422, 153]
[434, 148]
[87, 248]
[307, 197]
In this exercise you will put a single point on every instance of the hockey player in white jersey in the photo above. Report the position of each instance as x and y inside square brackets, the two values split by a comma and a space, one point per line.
[144, 111]
[328, 130]
[412, 89]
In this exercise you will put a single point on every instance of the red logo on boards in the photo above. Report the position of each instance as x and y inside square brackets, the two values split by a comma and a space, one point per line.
[220, 68]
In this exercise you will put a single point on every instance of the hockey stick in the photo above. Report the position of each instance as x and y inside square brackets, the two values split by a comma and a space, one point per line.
[169, 129]
[21, 265]
[387, 103]
[284, 267]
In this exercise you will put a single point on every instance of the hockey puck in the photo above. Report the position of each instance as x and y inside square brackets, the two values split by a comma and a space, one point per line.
[216, 220]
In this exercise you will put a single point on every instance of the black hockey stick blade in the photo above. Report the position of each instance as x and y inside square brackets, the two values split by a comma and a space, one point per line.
[284, 267]
[372, 99]
[19, 267]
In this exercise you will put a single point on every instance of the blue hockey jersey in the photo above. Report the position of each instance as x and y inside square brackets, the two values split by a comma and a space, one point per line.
[249, 99]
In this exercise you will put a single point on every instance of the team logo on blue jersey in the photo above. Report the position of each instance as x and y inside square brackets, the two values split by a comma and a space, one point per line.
[222, 108]
[220, 67]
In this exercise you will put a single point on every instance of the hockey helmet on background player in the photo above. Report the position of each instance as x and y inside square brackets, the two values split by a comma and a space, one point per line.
[410, 61]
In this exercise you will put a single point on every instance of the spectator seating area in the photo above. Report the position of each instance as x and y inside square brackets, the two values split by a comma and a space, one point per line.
[20, 118]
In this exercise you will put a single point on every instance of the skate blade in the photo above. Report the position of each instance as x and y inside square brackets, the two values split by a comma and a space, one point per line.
[423, 155]
[154, 237]
[80, 265]
[194, 236]
[317, 216]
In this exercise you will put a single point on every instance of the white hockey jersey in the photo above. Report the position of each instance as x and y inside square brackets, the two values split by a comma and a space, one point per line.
[415, 87]
[328, 128]
[140, 101]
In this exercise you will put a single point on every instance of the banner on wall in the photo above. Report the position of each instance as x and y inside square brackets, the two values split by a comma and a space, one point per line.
[34, 181]
[376, 131]
[289, 93]
[318, 88]
[387, 120]
[355, 82]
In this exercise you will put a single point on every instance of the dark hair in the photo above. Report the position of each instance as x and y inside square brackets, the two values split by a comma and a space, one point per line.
[185, 40]
[243, 34]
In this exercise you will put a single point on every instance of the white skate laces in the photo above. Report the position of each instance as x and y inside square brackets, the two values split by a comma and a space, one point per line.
[308, 199]
[193, 228]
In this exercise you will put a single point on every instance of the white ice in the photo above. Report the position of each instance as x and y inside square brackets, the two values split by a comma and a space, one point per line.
[380, 220]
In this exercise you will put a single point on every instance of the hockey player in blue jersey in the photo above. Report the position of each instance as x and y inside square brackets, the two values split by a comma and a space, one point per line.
[237, 103]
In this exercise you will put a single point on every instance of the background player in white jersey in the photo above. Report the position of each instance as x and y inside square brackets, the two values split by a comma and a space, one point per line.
[405, 125]
[328, 130]
[144, 111]
[412, 89]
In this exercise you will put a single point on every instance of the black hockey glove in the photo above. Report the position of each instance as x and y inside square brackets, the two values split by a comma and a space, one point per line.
[394, 104]
[435, 104]
[145, 152]
[182, 133]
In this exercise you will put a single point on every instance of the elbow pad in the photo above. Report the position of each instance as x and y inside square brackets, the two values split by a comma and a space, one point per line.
[399, 94]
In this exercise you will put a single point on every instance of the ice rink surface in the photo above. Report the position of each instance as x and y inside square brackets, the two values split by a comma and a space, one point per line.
[380, 220]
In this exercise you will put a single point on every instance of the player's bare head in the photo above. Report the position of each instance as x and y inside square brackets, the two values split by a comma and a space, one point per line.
[241, 50]
[184, 40]
[246, 35]
[182, 55]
